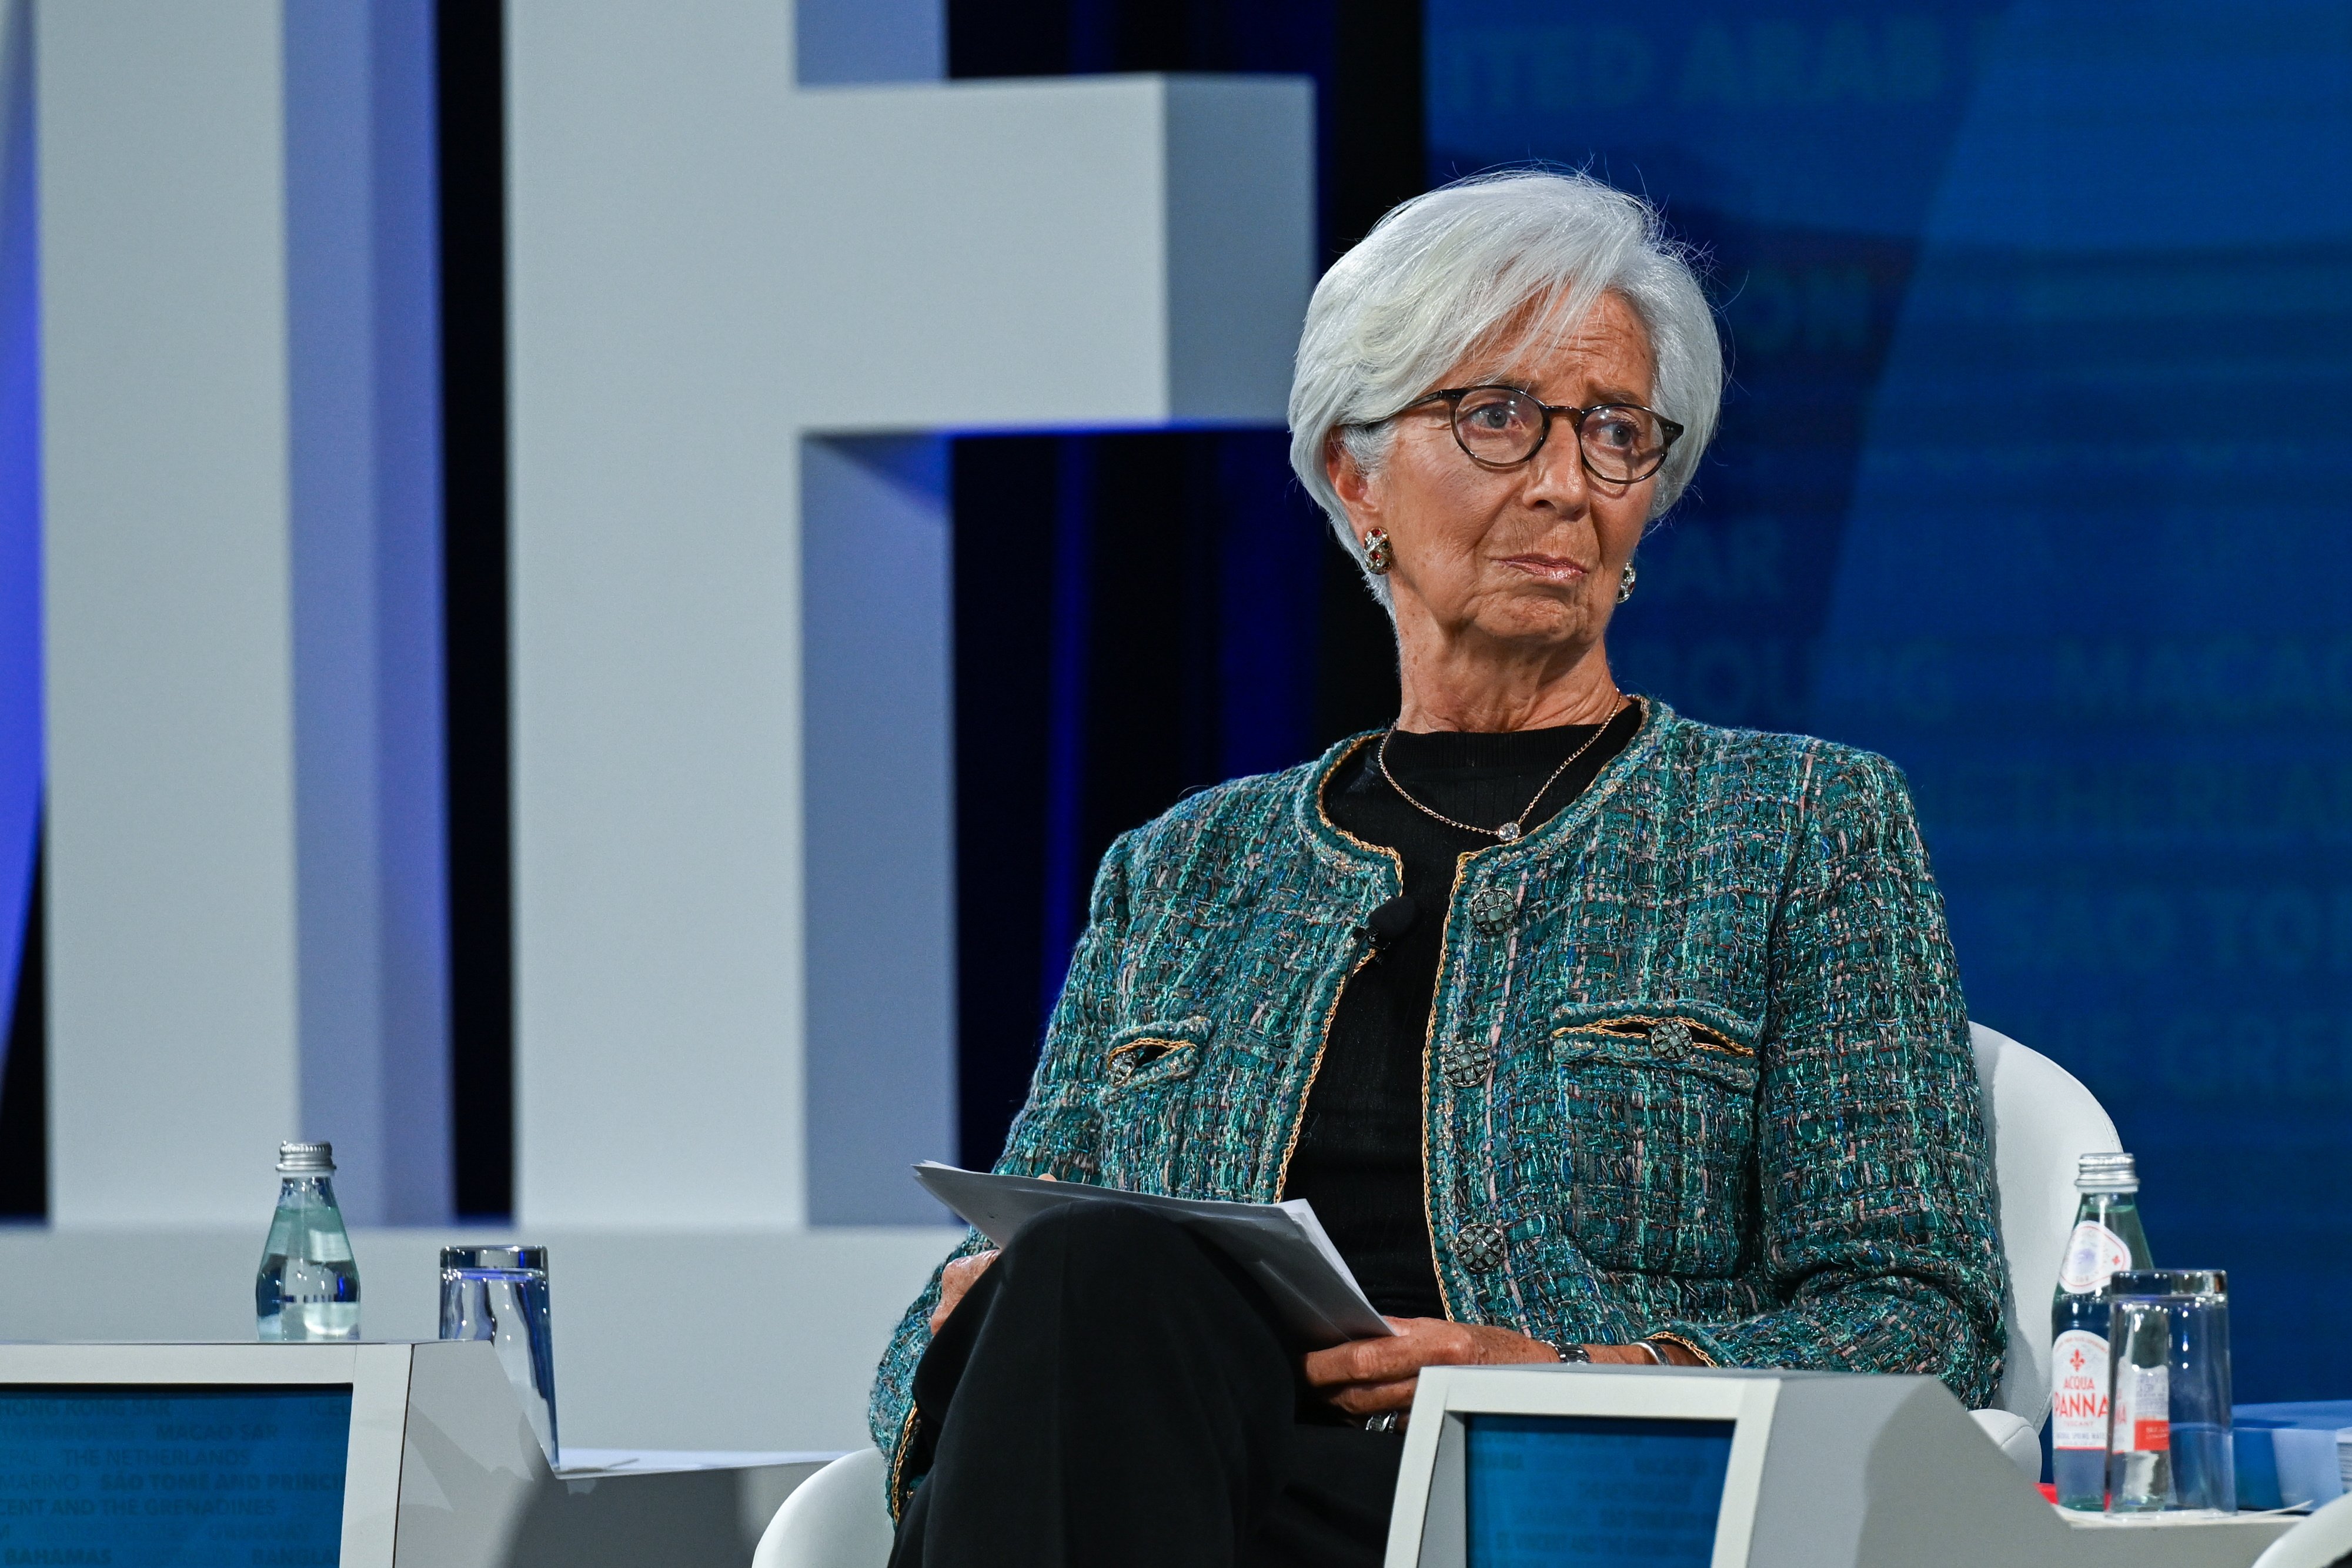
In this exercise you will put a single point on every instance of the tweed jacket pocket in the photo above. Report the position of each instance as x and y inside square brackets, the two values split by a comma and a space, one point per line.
[1146, 1070]
[1659, 1111]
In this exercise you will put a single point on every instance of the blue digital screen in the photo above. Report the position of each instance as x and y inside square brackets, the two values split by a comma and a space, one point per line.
[173, 1477]
[2032, 477]
[1544, 1491]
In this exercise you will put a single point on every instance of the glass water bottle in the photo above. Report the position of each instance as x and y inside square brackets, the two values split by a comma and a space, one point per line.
[2107, 1238]
[308, 1287]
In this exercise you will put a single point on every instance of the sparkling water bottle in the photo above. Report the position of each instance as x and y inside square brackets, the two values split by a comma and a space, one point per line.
[309, 1287]
[2107, 1238]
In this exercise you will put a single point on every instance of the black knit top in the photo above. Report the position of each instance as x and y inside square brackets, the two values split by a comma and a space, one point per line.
[1358, 1158]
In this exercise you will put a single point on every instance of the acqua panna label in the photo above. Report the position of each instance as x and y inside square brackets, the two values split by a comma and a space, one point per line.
[2078, 1390]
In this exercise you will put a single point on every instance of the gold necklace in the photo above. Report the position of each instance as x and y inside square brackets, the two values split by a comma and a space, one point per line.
[1510, 831]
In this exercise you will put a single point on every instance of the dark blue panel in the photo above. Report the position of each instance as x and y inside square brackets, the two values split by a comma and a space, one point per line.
[1141, 614]
[1135, 618]
[854, 41]
[470, 45]
[20, 505]
[2032, 477]
[173, 1477]
[1553, 1492]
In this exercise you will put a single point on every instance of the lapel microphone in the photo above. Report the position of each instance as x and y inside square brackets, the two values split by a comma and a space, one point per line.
[1386, 923]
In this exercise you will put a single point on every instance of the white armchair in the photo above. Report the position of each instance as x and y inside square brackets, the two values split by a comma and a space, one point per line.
[2323, 1540]
[835, 1518]
[2040, 1118]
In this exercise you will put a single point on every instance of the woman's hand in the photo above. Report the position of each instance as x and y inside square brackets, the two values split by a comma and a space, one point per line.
[1366, 1376]
[955, 1281]
[960, 1276]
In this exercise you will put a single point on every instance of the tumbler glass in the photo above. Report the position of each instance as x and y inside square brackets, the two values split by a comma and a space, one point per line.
[2168, 1392]
[499, 1294]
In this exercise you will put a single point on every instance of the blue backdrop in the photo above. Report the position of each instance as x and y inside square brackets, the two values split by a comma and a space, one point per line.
[2034, 476]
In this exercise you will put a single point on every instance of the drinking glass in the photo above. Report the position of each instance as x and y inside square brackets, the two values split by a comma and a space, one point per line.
[499, 1294]
[2168, 1392]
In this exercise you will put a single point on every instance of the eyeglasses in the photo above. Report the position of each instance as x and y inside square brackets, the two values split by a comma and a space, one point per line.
[1502, 427]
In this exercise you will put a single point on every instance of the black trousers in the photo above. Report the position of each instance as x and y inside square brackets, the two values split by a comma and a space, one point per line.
[1114, 1395]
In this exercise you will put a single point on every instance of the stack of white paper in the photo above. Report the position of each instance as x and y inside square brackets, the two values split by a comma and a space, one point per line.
[1280, 1245]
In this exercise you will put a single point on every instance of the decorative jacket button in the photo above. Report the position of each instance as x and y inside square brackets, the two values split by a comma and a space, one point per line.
[1467, 1058]
[1481, 1248]
[1670, 1037]
[1490, 911]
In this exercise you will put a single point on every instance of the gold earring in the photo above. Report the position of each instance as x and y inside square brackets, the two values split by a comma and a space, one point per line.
[1626, 583]
[1378, 555]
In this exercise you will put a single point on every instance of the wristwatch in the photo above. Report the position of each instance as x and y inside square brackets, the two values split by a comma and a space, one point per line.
[1572, 1353]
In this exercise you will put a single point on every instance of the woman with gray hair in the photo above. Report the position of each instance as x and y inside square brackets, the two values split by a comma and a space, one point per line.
[1594, 1033]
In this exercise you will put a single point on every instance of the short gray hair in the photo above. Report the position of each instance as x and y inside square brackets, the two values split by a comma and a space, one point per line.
[1441, 273]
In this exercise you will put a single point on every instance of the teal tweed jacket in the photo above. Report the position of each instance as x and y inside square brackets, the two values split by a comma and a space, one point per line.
[1698, 1062]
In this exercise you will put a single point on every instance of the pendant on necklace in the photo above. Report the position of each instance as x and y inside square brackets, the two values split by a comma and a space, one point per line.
[1507, 831]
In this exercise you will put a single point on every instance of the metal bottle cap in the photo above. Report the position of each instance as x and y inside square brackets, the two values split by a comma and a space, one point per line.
[2106, 1173]
[306, 1159]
